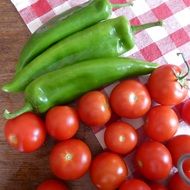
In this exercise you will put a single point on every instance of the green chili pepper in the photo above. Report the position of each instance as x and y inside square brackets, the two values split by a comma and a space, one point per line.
[66, 84]
[64, 25]
[109, 38]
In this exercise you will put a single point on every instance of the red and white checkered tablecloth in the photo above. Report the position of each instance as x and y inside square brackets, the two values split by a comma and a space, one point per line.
[159, 44]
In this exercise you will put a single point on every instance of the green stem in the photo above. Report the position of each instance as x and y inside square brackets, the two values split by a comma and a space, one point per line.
[145, 26]
[26, 108]
[117, 6]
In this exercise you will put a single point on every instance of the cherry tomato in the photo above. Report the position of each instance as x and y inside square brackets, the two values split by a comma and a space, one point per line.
[176, 183]
[157, 186]
[134, 184]
[161, 123]
[94, 109]
[164, 85]
[120, 137]
[62, 122]
[153, 160]
[26, 132]
[51, 185]
[108, 171]
[185, 112]
[70, 159]
[130, 99]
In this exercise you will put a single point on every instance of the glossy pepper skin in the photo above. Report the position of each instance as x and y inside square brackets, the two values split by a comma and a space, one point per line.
[63, 25]
[109, 38]
[67, 84]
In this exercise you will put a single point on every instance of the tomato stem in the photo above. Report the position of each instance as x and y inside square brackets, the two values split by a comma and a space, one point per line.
[129, 3]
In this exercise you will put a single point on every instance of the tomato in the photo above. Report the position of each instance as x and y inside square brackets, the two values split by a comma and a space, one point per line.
[62, 122]
[153, 160]
[164, 86]
[120, 137]
[134, 184]
[108, 171]
[70, 159]
[26, 132]
[178, 146]
[161, 123]
[186, 168]
[130, 99]
[51, 185]
[157, 186]
[185, 112]
[94, 109]
[176, 183]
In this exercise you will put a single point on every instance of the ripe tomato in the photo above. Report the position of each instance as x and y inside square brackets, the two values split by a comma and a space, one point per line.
[161, 123]
[120, 137]
[51, 185]
[185, 112]
[134, 184]
[26, 132]
[70, 159]
[94, 109]
[62, 122]
[108, 171]
[153, 160]
[176, 183]
[157, 186]
[130, 99]
[164, 85]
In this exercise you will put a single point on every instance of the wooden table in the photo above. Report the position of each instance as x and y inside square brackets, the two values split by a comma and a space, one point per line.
[19, 171]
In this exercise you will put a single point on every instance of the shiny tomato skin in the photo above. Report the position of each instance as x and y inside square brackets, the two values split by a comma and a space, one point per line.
[185, 112]
[51, 185]
[153, 160]
[108, 171]
[164, 87]
[130, 99]
[134, 184]
[94, 109]
[176, 183]
[120, 137]
[62, 122]
[70, 159]
[161, 123]
[26, 132]
[156, 186]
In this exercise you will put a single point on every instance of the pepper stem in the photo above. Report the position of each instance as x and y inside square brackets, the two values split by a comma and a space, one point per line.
[26, 108]
[145, 26]
[117, 6]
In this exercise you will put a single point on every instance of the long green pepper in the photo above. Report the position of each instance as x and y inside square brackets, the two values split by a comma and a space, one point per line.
[67, 84]
[63, 25]
[109, 38]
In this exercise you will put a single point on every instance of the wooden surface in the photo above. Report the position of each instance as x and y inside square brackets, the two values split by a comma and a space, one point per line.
[19, 171]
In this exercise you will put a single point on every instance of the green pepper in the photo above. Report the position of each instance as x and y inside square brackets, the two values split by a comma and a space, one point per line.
[109, 38]
[65, 85]
[63, 25]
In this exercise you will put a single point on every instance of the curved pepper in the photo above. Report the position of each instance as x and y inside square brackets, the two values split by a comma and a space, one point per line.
[67, 84]
[109, 38]
[64, 25]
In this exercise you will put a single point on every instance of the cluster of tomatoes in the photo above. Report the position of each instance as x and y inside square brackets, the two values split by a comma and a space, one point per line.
[71, 158]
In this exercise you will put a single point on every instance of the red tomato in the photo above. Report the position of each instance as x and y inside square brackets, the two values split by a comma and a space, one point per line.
[185, 112]
[176, 183]
[134, 184]
[70, 159]
[130, 99]
[161, 123]
[26, 132]
[108, 171]
[93, 109]
[157, 186]
[186, 168]
[164, 85]
[153, 160]
[120, 137]
[62, 122]
[51, 185]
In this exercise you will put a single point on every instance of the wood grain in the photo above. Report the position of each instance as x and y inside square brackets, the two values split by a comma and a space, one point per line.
[19, 171]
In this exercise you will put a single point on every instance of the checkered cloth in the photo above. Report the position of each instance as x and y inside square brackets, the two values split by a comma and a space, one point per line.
[158, 44]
